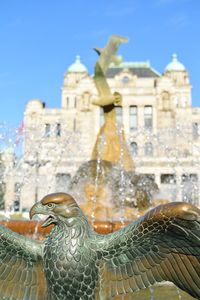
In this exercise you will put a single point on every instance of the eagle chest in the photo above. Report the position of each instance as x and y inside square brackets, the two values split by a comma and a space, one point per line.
[70, 267]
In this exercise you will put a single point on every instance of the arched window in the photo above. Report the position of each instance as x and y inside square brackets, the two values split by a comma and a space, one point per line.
[148, 149]
[125, 79]
[134, 148]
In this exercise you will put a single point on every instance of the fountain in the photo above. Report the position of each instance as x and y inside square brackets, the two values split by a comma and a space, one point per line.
[111, 185]
[113, 193]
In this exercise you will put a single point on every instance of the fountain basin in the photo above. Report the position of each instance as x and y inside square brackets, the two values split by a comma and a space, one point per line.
[34, 230]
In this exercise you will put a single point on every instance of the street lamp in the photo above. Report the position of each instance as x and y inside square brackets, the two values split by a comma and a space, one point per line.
[37, 163]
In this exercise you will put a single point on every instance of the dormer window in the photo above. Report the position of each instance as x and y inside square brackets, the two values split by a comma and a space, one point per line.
[125, 79]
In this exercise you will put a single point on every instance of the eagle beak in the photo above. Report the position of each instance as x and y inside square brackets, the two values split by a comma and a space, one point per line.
[39, 208]
[36, 209]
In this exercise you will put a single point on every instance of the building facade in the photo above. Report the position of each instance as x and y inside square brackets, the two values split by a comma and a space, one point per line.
[162, 130]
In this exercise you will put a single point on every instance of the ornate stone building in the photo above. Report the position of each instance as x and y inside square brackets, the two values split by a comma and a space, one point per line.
[161, 126]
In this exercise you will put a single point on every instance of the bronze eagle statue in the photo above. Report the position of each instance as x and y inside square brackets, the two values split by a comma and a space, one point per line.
[75, 262]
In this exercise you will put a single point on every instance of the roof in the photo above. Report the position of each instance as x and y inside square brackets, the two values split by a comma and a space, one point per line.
[77, 66]
[175, 65]
[140, 69]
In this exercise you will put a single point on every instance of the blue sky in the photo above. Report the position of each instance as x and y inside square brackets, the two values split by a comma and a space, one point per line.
[39, 39]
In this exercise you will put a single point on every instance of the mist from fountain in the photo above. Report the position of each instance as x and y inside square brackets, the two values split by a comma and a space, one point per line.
[119, 180]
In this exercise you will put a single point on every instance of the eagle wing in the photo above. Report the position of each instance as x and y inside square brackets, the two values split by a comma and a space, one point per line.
[21, 267]
[164, 245]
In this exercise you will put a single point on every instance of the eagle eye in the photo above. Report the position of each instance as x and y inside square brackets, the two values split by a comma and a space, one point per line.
[50, 205]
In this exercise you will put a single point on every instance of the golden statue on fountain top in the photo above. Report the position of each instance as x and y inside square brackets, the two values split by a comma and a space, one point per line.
[114, 149]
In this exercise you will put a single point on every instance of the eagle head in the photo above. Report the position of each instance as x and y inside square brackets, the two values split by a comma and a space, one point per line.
[59, 206]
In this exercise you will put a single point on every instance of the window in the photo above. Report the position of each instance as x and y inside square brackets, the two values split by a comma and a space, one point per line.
[133, 117]
[119, 115]
[148, 176]
[168, 178]
[195, 130]
[16, 203]
[190, 188]
[58, 129]
[17, 188]
[134, 148]
[47, 130]
[189, 177]
[148, 149]
[148, 117]
[85, 101]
